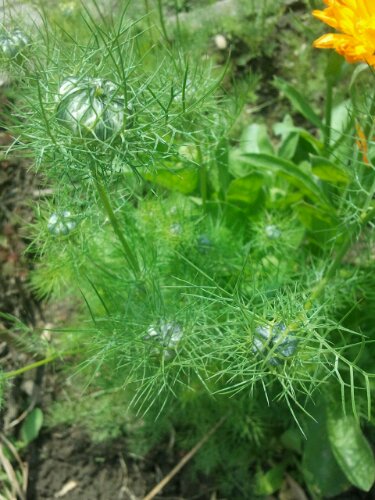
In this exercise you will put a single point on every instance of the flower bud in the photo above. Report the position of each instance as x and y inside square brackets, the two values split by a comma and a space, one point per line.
[61, 223]
[168, 334]
[277, 339]
[272, 232]
[12, 43]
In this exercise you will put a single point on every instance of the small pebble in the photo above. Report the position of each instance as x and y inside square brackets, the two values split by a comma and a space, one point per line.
[221, 42]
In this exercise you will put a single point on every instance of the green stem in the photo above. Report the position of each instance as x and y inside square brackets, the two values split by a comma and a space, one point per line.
[148, 15]
[129, 255]
[162, 21]
[177, 19]
[370, 121]
[36, 364]
[44, 114]
[202, 175]
[328, 113]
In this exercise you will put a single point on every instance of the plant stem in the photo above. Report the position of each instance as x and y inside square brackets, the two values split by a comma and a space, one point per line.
[177, 19]
[202, 175]
[41, 362]
[370, 122]
[162, 21]
[36, 364]
[148, 14]
[328, 113]
[129, 255]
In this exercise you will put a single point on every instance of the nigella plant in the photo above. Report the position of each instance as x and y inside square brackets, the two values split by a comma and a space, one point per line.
[61, 223]
[102, 111]
[13, 42]
[180, 249]
[167, 334]
[272, 232]
[108, 101]
[118, 104]
[92, 106]
[274, 343]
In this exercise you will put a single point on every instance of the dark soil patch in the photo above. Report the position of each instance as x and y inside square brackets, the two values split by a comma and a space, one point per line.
[17, 188]
[64, 463]
[69, 465]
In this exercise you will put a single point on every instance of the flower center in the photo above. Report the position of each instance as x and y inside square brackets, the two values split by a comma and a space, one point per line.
[99, 91]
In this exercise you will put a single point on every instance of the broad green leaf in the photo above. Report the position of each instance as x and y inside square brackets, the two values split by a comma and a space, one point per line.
[288, 146]
[237, 166]
[315, 213]
[313, 141]
[292, 440]
[269, 482]
[285, 127]
[328, 171]
[246, 189]
[299, 102]
[290, 138]
[183, 180]
[319, 466]
[351, 449]
[321, 223]
[359, 69]
[31, 426]
[334, 67]
[291, 172]
[342, 117]
[255, 139]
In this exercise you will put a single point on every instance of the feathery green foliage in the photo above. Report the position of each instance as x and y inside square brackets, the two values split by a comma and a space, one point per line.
[216, 274]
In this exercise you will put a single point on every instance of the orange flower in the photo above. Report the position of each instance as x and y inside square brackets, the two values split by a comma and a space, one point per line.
[355, 19]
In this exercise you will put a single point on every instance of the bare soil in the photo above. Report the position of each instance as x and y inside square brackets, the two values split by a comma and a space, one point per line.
[66, 463]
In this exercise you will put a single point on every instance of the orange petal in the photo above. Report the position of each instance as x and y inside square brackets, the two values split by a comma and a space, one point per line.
[327, 41]
[322, 16]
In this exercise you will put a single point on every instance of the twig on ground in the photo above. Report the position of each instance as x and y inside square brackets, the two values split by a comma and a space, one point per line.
[185, 459]
[18, 490]
[124, 488]
[23, 415]
[40, 193]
